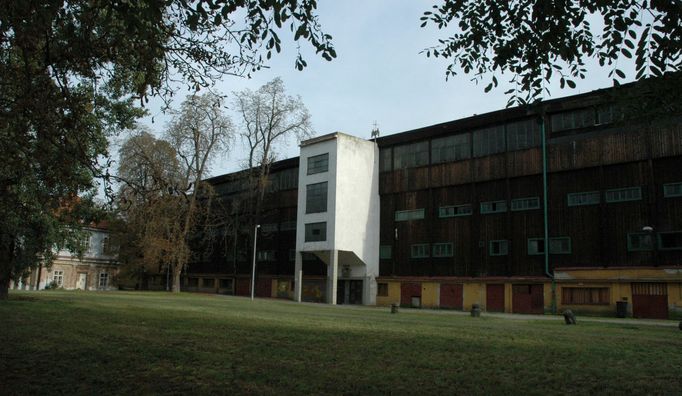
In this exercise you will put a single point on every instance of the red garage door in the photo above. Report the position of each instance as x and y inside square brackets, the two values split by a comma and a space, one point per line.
[451, 296]
[650, 300]
[243, 287]
[527, 299]
[264, 287]
[410, 292]
[494, 296]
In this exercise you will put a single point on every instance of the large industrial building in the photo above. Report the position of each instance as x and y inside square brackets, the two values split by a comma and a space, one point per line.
[567, 204]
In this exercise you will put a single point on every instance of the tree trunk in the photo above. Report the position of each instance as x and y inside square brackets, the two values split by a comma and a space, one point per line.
[177, 271]
[6, 247]
[4, 285]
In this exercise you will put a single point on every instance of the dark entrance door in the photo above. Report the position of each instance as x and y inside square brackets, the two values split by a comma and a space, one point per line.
[494, 296]
[451, 296]
[349, 292]
[527, 299]
[650, 300]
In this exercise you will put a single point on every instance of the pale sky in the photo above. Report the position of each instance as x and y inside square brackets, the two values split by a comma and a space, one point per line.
[379, 75]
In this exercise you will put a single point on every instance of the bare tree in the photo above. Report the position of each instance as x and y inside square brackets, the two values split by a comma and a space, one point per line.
[269, 119]
[198, 132]
[162, 184]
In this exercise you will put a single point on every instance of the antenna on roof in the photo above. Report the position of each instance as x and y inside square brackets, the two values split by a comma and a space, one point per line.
[375, 131]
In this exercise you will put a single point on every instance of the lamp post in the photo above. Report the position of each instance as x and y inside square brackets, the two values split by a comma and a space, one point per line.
[253, 268]
[654, 243]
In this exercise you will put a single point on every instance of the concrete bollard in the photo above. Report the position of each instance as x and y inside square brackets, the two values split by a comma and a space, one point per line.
[394, 308]
[569, 317]
[475, 310]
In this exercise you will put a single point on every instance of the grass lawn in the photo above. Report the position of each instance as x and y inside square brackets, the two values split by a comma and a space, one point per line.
[141, 343]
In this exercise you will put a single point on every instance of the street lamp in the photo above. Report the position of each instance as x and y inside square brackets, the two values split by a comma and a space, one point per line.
[654, 243]
[253, 268]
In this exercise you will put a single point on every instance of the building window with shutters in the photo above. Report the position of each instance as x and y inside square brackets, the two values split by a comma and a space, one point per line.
[406, 215]
[672, 190]
[442, 249]
[454, 211]
[493, 207]
[520, 204]
[420, 250]
[585, 295]
[623, 194]
[557, 245]
[499, 247]
[584, 198]
[640, 242]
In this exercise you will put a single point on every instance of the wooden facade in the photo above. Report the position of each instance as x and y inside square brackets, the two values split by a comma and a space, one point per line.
[462, 206]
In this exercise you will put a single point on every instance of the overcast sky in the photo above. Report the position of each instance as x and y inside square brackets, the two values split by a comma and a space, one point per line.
[379, 75]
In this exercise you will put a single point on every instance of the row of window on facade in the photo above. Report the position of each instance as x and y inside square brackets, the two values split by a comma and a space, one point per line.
[511, 136]
[58, 279]
[499, 247]
[636, 241]
[670, 190]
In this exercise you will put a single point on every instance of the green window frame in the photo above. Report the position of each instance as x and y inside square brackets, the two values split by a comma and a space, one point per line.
[557, 245]
[493, 207]
[455, 211]
[498, 247]
[623, 194]
[672, 190]
[560, 245]
[529, 203]
[407, 215]
[442, 249]
[640, 242]
[670, 240]
[419, 250]
[265, 255]
[385, 252]
[584, 198]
